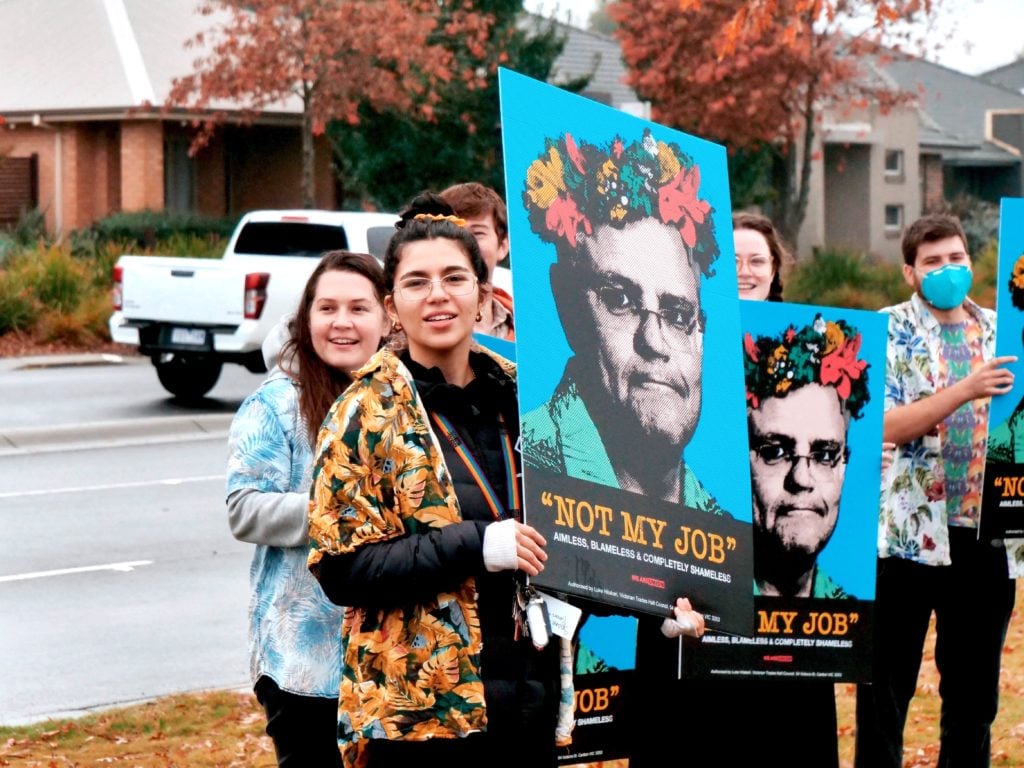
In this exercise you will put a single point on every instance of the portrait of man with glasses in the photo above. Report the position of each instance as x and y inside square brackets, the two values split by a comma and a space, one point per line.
[803, 388]
[627, 319]
[633, 240]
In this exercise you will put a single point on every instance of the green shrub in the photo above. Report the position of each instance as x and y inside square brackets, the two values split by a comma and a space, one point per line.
[58, 280]
[30, 228]
[18, 307]
[144, 229]
[980, 220]
[985, 263]
[838, 277]
[8, 247]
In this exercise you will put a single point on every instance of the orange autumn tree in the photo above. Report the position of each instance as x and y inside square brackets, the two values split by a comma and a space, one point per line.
[756, 75]
[327, 56]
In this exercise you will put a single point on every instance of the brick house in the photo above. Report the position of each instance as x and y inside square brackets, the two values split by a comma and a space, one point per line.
[80, 141]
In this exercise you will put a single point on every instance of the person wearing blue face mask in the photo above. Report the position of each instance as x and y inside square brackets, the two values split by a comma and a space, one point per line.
[940, 376]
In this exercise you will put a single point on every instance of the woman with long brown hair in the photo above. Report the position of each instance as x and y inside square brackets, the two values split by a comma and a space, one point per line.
[295, 652]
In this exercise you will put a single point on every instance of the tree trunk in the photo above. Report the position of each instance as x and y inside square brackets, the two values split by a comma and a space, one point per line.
[795, 183]
[308, 154]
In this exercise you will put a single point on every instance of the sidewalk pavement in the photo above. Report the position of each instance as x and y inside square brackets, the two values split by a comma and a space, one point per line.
[156, 429]
[62, 360]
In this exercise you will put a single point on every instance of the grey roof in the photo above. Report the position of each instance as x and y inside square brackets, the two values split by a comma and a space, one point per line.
[587, 53]
[76, 57]
[1009, 75]
[955, 106]
[80, 56]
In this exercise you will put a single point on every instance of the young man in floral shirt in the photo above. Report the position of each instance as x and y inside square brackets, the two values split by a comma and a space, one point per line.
[940, 376]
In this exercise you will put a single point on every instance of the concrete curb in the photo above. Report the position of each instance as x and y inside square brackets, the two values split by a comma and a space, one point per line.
[35, 362]
[157, 429]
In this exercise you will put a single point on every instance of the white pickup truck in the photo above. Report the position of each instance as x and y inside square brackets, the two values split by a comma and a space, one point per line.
[192, 315]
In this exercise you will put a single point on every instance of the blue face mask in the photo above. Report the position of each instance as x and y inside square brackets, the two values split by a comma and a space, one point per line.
[947, 286]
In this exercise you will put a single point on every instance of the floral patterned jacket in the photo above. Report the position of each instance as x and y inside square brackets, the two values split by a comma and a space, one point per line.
[913, 521]
[409, 672]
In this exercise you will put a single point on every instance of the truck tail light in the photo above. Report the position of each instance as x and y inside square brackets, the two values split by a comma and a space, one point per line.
[255, 294]
[118, 290]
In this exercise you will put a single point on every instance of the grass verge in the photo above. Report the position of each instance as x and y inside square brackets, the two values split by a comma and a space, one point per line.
[224, 729]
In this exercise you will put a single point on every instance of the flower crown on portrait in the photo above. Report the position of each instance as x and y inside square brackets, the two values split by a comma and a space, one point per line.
[1016, 284]
[574, 187]
[824, 352]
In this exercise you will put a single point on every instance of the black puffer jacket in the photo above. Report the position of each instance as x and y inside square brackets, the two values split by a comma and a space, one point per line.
[521, 684]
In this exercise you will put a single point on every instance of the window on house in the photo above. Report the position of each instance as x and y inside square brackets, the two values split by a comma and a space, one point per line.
[179, 176]
[894, 163]
[893, 219]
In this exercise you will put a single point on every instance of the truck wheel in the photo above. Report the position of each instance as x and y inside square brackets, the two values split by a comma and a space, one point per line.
[187, 378]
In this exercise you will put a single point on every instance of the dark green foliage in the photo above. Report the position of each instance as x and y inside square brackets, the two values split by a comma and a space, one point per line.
[838, 277]
[750, 179]
[388, 157]
[980, 220]
[30, 227]
[145, 228]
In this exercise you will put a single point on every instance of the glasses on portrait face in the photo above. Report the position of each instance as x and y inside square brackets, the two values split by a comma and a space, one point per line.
[677, 322]
[822, 459]
[454, 284]
[757, 264]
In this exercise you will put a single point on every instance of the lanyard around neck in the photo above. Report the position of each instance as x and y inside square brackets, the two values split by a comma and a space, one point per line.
[499, 511]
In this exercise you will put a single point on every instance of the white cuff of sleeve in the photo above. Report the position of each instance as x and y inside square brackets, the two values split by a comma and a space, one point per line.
[673, 628]
[500, 546]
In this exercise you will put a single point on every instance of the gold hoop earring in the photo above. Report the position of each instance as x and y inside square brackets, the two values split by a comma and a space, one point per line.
[479, 315]
[396, 327]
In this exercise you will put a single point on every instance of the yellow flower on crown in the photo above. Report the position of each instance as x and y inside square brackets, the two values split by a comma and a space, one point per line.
[1018, 273]
[834, 338]
[668, 162]
[544, 180]
[608, 178]
[778, 358]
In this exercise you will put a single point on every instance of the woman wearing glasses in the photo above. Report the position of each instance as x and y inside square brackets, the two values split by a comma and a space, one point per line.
[798, 454]
[414, 518]
[760, 257]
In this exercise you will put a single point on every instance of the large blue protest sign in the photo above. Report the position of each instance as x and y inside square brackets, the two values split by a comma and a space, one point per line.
[815, 382]
[1002, 501]
[630, 378]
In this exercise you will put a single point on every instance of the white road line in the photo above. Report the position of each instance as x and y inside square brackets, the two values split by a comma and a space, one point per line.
[111, 486]
[122, 567]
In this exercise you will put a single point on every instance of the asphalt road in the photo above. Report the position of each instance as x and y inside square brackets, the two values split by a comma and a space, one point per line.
[119, 579]
[67, 389]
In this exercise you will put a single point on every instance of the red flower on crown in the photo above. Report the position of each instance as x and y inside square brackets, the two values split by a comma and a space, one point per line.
[841, 367]
[574, 153]
[563, 218]
[678, 204]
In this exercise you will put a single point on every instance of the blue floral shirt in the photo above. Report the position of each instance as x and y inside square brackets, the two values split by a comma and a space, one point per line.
[913, 520]
[294, 630]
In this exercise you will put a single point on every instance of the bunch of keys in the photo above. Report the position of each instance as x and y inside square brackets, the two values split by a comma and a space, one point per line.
[530, 613]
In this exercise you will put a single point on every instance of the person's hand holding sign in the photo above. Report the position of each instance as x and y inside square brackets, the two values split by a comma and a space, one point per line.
[684, 621]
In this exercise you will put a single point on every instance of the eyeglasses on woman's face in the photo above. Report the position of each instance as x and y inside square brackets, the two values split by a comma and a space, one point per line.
[758, 264]
[454, 284]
